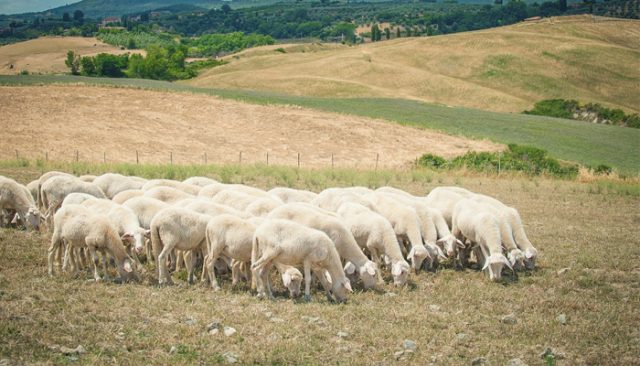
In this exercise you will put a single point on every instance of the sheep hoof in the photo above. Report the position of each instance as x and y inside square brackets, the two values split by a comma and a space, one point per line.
[307, 298]
[217, 288]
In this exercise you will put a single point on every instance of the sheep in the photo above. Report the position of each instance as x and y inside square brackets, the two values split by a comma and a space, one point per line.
[87, 178]
[287, 242]
[145, 208]
[406, 225]
[261, 206]
[232, 237]
[112, 184]
[200, 181]
[239, 200]
[288, 195]
[76, 198]
[332, 198]
[15, 196]
[373, 232]
[444, 200]
[43, 178]
[123, 196]
[309, 215]
[167, 194]
[56, 188]
[79, 228]
[176, 228]
[213, 209]
[33, 189]
[123, 219]
[213, 189]
[184, 187]
[472, 221]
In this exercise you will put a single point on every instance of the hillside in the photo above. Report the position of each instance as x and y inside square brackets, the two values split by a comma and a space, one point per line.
[47, 54]
[503, 69]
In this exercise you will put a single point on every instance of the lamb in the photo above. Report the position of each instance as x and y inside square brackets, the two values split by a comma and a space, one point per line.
[288, 195]
[112, 184]
[15, 196]
[184, 187]
[33, 189]
[123, 219]
[79, 228]
[55, 189]
[167, 194]
[374, 233]
[123, 196]
[232, 237]
[406, 225]
[287, 242]
[145, 208]
[472, 221]
[200, 181]
[176, 228]
[314, 217]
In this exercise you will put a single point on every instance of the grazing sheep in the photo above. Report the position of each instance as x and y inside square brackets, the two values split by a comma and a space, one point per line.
[210, 208]
[145, 208]
[43, 178]
[33, 189]
[213, 189]
[288, 195]
[374, 233]
[112, 184]
[76, 198]
[262, 206]
[238, 200]
[444, 200]
[472, 221]
[332, 198]
[176, 228]
[56, 188]
[406, 225]
[184, 187]
[77, 227]
[123, 196]
[314, 217]
[167, 194]
[17, 197]
[200, 181]
[87, 178]
[287, 242]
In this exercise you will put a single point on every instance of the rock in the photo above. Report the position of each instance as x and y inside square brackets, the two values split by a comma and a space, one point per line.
[214, 331]
[268, 314]
[213, 325]
[516, 362]
[509, 319]
[390, 294]
[229, 331]
[562, 319]
[5, 362]
[173, 350]
[563, 271]
[72, 351]
[434, 308]
[462, 338]
[343, 334]
[277, 320]
[409, 345]
[190, 321]
[479, 361]
[398, 355]
[230, 357]
[549, 352]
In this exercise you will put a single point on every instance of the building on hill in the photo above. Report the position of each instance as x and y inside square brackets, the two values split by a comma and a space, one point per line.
[110, 21]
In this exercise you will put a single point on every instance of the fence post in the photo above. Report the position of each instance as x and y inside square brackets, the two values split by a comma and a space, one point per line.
[17, 157]
[46, 156]
[240, 158]
[331, 160]
[104, 157]
[171, 157]
[137, 160]
[298, 160]
[267, 158]
[77, 156]
[499, 154]
[205, 158]
[377, 159]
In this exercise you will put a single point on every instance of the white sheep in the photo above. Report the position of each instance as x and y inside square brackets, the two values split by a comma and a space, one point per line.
[288, 195]
[184, 187]
[56, 188]
[262, 206]
[406, 225]
[77, 227]
[123, 196]
[167, 194]
[472, 221]
[146, 208]
[287, 242]
[112, 184]
[213, 189]
[33, 189]
[238, 200]
[43, 178]
[87, 178]
[123, 219]
[332, 198]
[374, 232]
[76, 198]
[176, 228]
[210, 208]
[200, 181]
[314, 217]
[15, 196]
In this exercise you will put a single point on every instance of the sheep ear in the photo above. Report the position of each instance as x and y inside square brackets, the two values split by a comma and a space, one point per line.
[15, 219]
[506, 261]
[347, 286]
[486, 264]
[147, 234]
[350, 268]
[460, 244]
[371, 271]
[412, 252]
[441, 254]
[126, 237]
[286, 279]
[396, 270]
[441, 240]
[127, 266]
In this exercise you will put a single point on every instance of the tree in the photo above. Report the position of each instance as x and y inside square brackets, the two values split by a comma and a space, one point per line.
[66, 17]
[398, 35]
[225, 8]
[375, 33]
[87, 66]
[78, 16]
[387, 33]
[562, 4]
[73, 62]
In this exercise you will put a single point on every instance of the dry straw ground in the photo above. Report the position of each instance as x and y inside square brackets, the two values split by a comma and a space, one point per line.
[453, 317]
[93, 120]
[504, 69]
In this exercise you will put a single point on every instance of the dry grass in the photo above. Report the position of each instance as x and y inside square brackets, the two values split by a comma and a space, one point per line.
[504, 69]
[47, 54]
[575, 225]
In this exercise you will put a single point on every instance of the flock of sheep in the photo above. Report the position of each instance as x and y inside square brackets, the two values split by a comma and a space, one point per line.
[340, 234]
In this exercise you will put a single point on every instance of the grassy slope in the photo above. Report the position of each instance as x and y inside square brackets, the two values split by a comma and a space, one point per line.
[503, 69]
[586, 229]
[566, 139]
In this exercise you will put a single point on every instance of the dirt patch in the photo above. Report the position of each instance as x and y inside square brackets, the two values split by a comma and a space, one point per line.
[115, 123]
[47, 54]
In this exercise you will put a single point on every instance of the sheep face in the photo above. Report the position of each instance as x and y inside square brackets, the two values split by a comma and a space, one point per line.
[417, 256]
[516, 258]
[368, 274]
[340, 289]
[450, 243]
[530, 256]
[32, 218]
[494, 265]
[125, 269]
[292, 279]
[400, 272]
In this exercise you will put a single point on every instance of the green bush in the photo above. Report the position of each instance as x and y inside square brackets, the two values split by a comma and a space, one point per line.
[432, 161]
[559, 108]
[215, 44]
[563, 108]
[603, 169]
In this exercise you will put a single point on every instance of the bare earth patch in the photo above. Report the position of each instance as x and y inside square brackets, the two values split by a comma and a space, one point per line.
[118, 122]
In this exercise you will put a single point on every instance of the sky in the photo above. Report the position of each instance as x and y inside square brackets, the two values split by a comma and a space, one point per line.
[24, 6]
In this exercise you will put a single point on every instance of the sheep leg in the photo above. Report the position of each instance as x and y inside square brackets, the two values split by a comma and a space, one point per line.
[163, 277]
[180, 260]
[190, 261]
[204, 276]
[307, 280]
[94, 256]
[104, 263]
[376, 259]
[53, 248]
[210, 264]
[149, 248]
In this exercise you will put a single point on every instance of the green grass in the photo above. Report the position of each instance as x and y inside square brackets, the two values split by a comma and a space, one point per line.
[577, 141]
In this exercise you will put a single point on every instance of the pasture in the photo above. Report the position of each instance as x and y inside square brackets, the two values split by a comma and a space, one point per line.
[588, 270]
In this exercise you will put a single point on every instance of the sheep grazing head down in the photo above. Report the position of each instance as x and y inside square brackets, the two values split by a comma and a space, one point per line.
[417, 255]
[400, 272]
[516, 258]
[530, 256]
[126, 270]
[450, 243]
[31, 218]
[292, 280]
[340, 289]
[368, 274]
[494, 264]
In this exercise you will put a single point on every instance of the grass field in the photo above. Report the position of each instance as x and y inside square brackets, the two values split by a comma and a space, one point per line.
[453, 317]
[504, 69]
[577, 141]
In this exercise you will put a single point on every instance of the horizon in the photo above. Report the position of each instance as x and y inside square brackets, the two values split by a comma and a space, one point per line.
[9, 7]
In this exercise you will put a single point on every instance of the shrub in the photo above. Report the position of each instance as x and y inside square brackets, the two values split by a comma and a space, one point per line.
[603, 169]
[560, 108]
[432, 161]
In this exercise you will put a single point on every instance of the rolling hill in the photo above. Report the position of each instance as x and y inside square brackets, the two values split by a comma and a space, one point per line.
[506, 69]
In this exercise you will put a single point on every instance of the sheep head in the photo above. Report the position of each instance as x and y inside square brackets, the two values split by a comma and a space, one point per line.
[32, 218]
[368, 273]
[530, 256]
[400, 272]
[292, 280]
[450, 244]
[125, 269]
[340, 288]
[494, 264]
[516, 258]
[417, 255]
